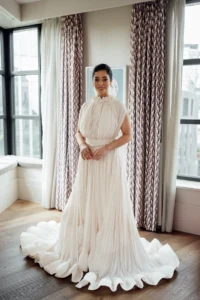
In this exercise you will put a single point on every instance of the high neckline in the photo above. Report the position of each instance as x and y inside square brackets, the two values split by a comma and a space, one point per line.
[102, 99]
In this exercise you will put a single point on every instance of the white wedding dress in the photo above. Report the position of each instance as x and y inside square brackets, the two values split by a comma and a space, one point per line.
[97, 233]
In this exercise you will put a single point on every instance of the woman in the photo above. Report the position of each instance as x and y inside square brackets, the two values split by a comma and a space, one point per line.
[97, 233]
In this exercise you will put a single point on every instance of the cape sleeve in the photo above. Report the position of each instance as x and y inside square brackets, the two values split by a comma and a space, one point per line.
[81, 111]
[121, 114]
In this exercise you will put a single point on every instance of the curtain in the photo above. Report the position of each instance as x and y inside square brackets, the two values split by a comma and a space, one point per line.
[50, 102]
[171, 113]
[145, 105]
[71, 101]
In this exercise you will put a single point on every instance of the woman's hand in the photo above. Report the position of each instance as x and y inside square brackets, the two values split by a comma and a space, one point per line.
[85, 152]
[98, 153]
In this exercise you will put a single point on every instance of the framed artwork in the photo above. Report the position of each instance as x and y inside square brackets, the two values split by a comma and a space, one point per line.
[118, 89]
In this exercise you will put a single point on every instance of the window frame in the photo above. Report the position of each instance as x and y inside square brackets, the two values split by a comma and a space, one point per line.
[3, 74]
[189, 62]
[12, 116]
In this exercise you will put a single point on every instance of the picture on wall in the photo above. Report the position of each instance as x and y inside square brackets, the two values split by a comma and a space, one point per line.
[118, 89]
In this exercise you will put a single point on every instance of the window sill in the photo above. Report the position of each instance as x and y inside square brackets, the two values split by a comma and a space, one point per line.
[29, 162]
[187, 185]
[21, 161]
[7, 165]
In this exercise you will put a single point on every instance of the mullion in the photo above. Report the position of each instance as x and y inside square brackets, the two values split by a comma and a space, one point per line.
[5, 135]
[1, 50]
[191, 61]
[4, 94]
[7, 57]
[28, 117]
[27, 27]
[190, 121]
[2, 72]
[192, 1]
[2, 75]
[188, 178]
[24, 73]
[40, 89]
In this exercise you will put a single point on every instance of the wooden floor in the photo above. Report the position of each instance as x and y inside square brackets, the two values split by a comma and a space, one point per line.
[21, 278]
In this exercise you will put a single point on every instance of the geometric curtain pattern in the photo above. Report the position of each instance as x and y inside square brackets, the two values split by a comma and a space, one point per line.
[71, 101]
[145, 105]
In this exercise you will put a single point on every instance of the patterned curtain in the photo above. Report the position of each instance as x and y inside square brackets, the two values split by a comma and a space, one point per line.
[145, 104]
[72, 61]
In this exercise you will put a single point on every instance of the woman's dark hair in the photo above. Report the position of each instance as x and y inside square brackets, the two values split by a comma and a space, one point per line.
[103, 67]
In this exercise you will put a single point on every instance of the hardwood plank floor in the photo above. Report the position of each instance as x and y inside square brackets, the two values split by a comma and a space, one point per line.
[22, 279]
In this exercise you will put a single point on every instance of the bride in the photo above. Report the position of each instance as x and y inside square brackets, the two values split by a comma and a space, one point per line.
[97, 233]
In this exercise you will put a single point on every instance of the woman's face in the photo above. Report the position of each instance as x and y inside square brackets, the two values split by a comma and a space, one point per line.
[101, 82]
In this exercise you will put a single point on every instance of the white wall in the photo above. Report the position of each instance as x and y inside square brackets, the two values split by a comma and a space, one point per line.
[107, 37]
[29, 184]
[23, 183]
[51, 8]
[8, 188]
[12, 7]
[15, 15]
[187, 208]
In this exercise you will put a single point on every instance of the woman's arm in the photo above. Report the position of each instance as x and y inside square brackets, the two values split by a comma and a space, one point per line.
[85, 150]
[125, 138]
[80, 139]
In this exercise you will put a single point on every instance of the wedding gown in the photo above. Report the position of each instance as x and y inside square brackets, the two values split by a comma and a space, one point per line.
[97, 233]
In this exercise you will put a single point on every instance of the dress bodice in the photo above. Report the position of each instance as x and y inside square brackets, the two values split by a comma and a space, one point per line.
[101, 118]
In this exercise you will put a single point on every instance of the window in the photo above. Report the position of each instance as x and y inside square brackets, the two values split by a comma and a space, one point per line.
[25, 87]
[2, 99]
[189, 145]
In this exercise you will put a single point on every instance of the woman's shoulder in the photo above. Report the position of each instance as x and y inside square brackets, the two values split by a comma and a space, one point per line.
[119, 105]
[85, 104]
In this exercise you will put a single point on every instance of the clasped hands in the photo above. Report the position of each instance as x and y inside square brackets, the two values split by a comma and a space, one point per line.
[87, 154]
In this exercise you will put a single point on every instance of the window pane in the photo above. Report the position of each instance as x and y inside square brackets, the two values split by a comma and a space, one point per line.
[2, 137]
[191, 36]
[27, 134]
[189, 151]
[25, 43]
[26, 95]
[191, 92]
[1, 96]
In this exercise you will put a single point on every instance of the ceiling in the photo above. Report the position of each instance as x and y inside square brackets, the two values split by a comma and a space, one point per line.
[27, 1]
[17, 13]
